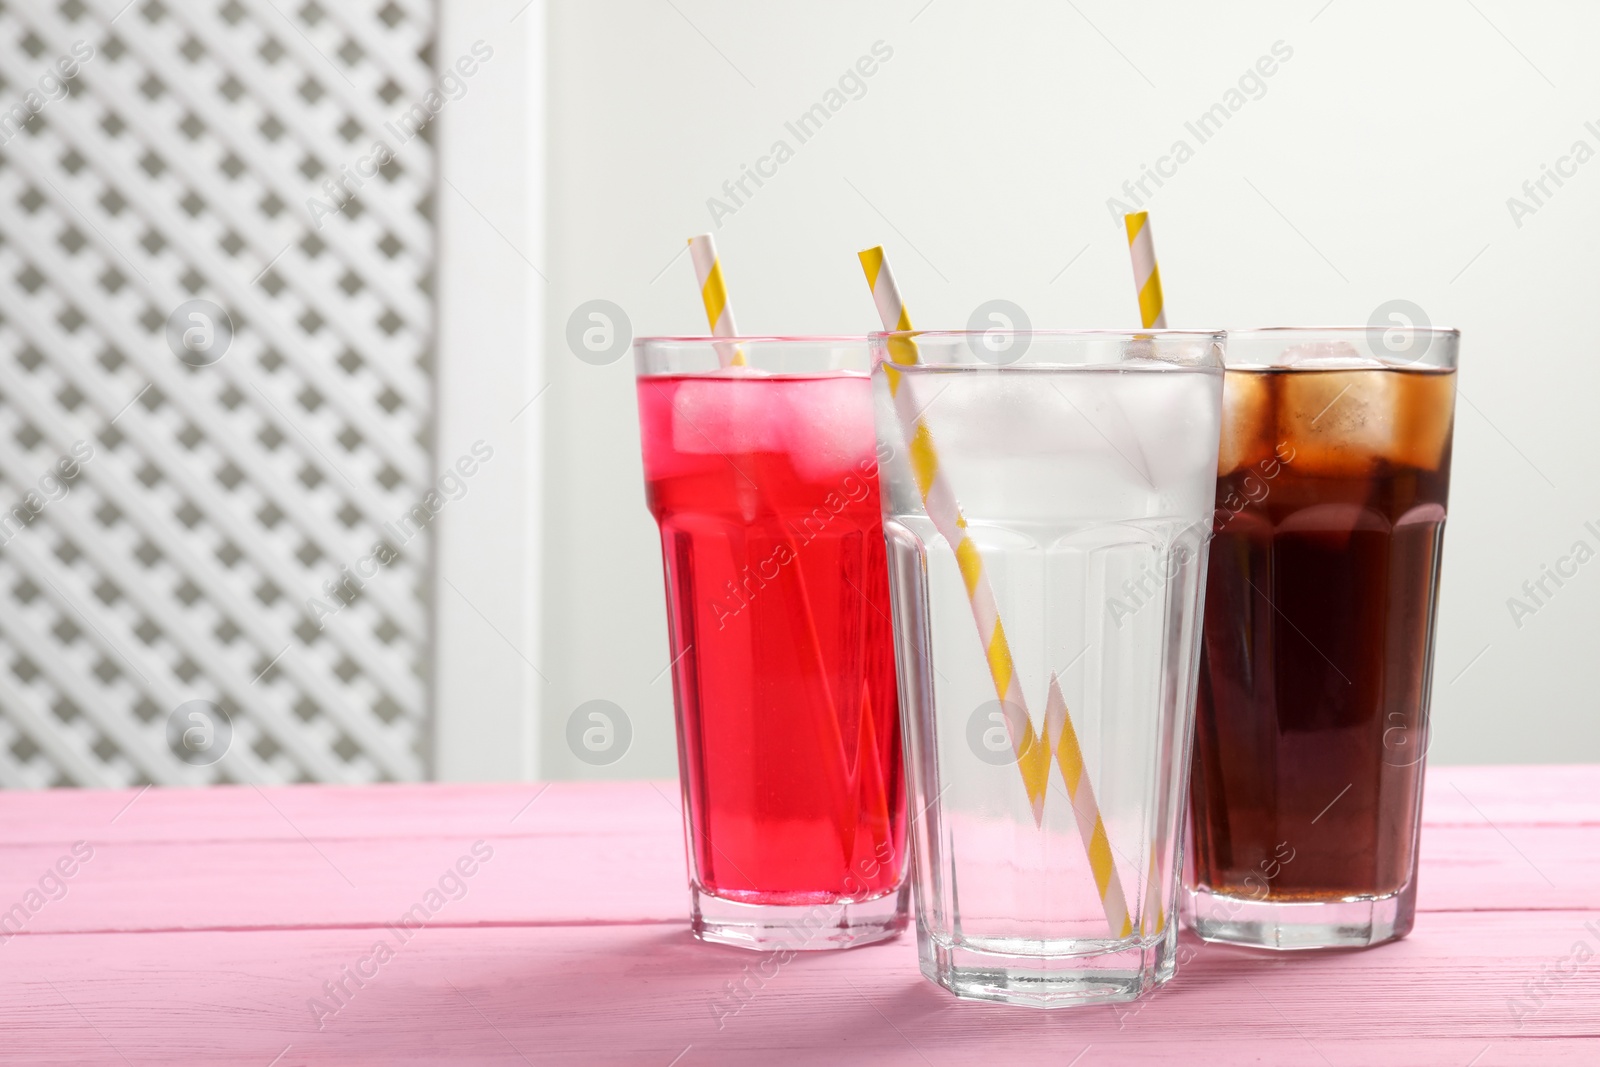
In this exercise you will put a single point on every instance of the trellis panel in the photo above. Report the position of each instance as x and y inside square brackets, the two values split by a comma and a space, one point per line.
[219, 500]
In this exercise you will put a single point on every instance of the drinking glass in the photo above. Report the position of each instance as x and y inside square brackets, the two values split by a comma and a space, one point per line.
[1046, 501]
[763, 479]
[1318, 650]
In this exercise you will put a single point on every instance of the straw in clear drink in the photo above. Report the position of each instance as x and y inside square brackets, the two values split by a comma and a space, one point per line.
[1031, 749]
[1146, 275]
[1152, 316]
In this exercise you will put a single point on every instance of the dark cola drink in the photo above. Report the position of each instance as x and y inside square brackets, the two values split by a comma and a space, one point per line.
[1317, 652]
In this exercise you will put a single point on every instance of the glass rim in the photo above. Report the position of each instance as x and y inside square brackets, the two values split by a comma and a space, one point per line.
[1051, 349]
[1432, 331]
[1215, 335]
[756, 338]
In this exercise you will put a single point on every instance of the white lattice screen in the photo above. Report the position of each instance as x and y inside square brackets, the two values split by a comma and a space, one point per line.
[218, 498]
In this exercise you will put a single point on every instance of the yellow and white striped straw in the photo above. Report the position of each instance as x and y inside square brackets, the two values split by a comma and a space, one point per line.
[1152, 316]
[1032, 750]
[719, 317]
[1091, 827]
[1146, 275]
[714, 294]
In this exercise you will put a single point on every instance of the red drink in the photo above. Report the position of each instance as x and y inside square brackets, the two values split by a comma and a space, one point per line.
[766, 492]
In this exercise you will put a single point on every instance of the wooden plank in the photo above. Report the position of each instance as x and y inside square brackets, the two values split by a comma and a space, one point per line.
[1509, 796]
[266, 884]
[243, 813]
[585, 878]
[1512, 796]
[647, 994]
[634, 873]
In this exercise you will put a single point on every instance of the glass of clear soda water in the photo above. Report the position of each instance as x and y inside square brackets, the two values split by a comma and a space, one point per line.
[1047, 501]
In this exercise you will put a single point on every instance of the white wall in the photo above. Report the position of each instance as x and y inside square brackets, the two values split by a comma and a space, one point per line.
[1376, 165]
[489, 205]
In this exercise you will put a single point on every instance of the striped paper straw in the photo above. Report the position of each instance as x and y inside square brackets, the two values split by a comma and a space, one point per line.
[1153, 316]
[719, 317]
[1033, 754]
[1032, 750]
[714, 294]
[1091, 827]
[1153, 898]
[1146, 275]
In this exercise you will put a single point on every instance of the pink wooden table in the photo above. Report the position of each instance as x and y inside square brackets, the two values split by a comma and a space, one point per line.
[216, 927]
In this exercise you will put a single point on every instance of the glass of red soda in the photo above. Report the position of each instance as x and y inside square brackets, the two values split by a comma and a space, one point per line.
[763, 478]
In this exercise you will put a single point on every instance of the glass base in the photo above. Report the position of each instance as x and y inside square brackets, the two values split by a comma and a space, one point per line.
[1352, 922]
[797, 927]
[1037, 978]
